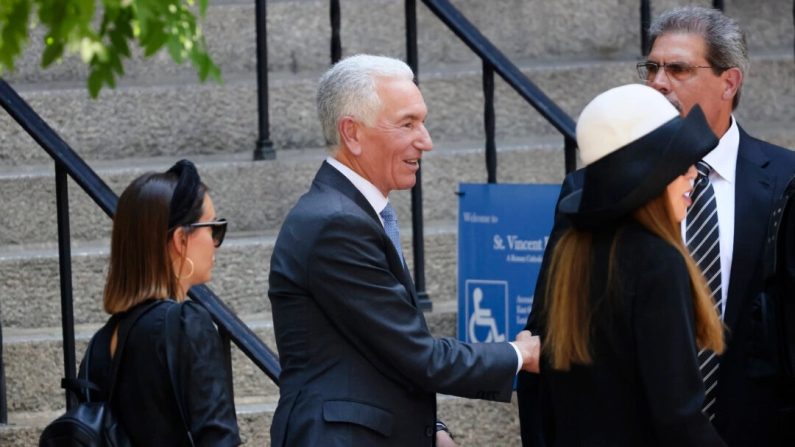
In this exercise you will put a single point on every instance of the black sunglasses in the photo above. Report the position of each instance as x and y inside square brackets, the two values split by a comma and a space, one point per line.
[218, 228]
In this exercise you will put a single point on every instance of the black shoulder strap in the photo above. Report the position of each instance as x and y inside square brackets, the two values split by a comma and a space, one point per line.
[126, 322]
[172, 332]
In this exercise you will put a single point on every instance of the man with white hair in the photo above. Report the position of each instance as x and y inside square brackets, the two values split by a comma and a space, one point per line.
[359, 366]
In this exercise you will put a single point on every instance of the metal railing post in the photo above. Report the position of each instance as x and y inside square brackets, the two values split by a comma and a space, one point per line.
[417, 238]
[489, 122]
[645, 22]
[264, 149]
[65, 269]
[336, 39]
[3, 398]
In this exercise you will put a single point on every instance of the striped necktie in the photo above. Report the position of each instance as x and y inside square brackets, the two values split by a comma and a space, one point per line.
[703, 241]
[391, 227]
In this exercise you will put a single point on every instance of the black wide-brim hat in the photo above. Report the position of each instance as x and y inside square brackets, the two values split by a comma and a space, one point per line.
[622, 177]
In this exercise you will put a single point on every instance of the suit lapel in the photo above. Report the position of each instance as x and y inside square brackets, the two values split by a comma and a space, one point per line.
[330, 176]
[753, 201]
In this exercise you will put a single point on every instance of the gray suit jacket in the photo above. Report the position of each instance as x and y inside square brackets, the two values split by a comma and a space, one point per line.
[359, 366]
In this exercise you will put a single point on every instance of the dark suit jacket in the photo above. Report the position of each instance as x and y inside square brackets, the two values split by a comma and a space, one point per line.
[359, 366]
[748, 411]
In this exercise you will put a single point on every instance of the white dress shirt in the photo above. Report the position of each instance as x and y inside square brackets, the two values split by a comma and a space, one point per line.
[723, 160]
[379, 202]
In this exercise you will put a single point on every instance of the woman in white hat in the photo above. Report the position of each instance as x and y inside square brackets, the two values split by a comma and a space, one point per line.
[626, 308]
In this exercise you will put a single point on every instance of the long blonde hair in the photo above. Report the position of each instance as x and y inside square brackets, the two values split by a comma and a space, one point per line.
[567, 302]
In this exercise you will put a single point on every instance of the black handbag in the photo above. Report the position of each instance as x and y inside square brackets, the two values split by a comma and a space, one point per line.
[92, 422]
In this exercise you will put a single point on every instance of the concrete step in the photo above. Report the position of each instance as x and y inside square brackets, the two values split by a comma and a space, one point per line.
[299, 32]
[178, 116]
[473, 422]
[34, 358]
[256, 196]
[31, 293]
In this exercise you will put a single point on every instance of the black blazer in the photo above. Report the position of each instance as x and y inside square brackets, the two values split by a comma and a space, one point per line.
[749, 411]
[644, 386]
[359, 366]
[144, 400]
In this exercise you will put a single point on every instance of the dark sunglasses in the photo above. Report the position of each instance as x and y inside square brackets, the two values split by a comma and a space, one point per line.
[677, 70]
[218, 228]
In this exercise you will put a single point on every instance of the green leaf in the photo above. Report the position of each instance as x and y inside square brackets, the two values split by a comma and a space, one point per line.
[154, 40]
[175, 50]
[52, 52]
[14, 16]
[94, 83]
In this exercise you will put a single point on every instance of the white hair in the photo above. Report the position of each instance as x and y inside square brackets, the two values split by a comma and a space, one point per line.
[348, 89]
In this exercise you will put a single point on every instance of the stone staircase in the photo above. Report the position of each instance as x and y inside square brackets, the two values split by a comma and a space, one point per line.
[572, 49]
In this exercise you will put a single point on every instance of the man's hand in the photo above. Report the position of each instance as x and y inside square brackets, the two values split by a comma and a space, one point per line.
[443, 439]
[530, 346]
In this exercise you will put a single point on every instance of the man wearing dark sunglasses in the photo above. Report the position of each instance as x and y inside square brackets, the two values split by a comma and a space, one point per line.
[699, 56]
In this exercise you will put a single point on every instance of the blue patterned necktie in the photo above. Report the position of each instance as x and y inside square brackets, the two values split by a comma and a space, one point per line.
[391, 228]
[703, 241]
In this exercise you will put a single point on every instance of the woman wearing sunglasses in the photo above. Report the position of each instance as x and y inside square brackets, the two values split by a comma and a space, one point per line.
[165, 233]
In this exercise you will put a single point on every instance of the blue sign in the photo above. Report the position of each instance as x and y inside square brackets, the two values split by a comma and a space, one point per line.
[503, 230]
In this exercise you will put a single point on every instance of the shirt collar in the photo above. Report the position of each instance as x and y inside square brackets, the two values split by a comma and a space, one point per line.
[723, 159]
[368, 190]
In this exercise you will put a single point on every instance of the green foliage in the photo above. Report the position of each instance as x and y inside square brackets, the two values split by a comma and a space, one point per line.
[72, 27]
[13, 30]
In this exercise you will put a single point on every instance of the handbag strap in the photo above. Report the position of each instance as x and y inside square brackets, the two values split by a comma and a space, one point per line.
[172, 332]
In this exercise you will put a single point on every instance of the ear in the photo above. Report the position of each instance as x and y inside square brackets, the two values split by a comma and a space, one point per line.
[178, 243]
[348, 129]
[732, 80]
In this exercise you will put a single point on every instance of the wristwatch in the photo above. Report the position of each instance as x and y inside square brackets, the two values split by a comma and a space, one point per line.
[440, 426]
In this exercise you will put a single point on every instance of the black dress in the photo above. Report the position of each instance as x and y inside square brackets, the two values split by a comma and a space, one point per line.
[144, 400]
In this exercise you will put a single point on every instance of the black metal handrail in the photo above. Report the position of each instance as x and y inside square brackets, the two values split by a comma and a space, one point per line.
[67, 162]
[495, 61]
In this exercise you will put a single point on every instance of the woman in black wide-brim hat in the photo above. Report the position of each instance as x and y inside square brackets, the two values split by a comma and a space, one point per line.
[626, 309]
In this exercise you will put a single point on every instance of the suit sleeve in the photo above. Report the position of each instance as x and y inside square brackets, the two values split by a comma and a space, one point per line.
[349, 277]
[206, 381]
[664, 331]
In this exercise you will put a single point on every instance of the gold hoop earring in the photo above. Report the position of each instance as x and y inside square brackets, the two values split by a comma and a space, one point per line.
[191, 270]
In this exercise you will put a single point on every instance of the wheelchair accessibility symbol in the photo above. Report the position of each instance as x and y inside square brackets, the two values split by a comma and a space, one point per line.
[486, 310]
